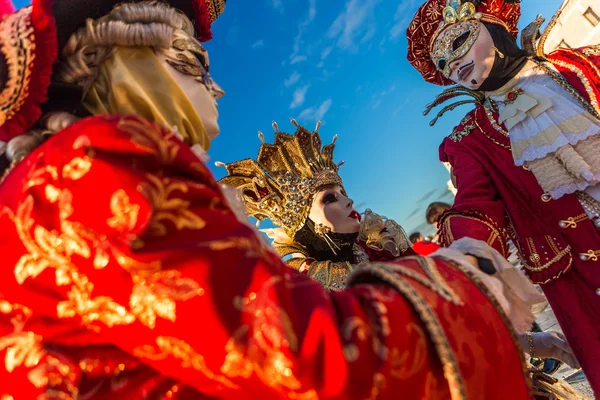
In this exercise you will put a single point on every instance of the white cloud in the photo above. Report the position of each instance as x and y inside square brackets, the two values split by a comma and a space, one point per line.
[293, 79]
[296, 59]
[377, 104]
[298, 97]
[315, 113]
[354, 24]
[326, 51]
[259, 44]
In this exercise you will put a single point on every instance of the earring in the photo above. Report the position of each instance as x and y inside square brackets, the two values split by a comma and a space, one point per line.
[323, 232]
[498, 52]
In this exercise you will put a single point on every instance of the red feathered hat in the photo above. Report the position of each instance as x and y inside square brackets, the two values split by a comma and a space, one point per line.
[424, 27]
[32, 36]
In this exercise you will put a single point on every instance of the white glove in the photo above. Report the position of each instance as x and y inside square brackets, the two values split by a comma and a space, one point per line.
[550, 345]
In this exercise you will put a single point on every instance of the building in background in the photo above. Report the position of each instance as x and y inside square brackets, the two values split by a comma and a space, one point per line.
[578, 25]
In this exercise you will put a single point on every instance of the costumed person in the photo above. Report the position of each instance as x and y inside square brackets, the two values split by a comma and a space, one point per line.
[421, 245]
[323, 235]
[126, 273]
[525, 159]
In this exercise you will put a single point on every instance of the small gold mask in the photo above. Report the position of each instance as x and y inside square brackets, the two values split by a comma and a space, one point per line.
[453, 43]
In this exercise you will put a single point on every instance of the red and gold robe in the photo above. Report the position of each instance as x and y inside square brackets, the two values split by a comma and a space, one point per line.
[126, 275]
[558, 244]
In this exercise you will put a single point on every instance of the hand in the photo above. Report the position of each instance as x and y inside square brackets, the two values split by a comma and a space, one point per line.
[551, 345]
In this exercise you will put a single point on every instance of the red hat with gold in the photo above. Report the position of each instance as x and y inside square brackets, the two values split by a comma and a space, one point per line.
[436, 16]
[32, 37]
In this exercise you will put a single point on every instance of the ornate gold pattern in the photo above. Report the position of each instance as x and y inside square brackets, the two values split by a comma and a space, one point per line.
[467, 124]
[166, 346]
[443, 53]
[281, 183]
[168, 206]
[492, 298]
[17, 47]
[592, 50]
[260, 348]
[150, 138]
[535, 258]
[125, 214]
[22, 348]
[400, 366]
[590, 255]
[572, 222]
[154, 291]
[215, 8]
[592, 107]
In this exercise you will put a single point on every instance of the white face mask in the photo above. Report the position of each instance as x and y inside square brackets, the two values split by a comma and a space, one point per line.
[472, 68]
[188, 64]
[333, 209]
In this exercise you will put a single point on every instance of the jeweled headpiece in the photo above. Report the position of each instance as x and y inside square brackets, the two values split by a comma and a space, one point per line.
[281, 183]
[438, 23]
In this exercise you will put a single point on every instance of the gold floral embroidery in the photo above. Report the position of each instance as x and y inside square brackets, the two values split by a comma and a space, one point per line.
[77, 168]
[154, 291]
[150, 137]
[167, 207]
[261, 347]
[408, 363]
[252, 248]
[21, 347]
[155, 295]
[166, 346]
[125, 214]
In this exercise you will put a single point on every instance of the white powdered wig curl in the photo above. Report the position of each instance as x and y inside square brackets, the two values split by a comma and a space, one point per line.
[150, 24]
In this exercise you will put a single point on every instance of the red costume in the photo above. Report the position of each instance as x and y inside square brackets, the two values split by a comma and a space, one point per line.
[425, 248]
[127, 275]
[558, 244]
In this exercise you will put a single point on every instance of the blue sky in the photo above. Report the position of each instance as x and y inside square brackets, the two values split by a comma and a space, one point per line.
[342, 61]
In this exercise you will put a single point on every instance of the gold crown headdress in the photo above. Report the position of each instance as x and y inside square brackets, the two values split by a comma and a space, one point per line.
[281, 183]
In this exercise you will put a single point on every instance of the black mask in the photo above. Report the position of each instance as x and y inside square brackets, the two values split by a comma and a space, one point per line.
[507, 67]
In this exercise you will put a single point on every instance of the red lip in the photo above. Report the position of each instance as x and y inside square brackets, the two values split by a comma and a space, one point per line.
[354, 215]
[464, 73]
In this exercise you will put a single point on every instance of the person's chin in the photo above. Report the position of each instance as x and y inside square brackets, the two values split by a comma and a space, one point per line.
[212, 130]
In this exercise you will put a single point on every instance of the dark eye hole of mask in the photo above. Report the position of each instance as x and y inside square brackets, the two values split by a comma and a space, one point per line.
[329, 198]
[441, 64]
[202, 60]
[459, 41]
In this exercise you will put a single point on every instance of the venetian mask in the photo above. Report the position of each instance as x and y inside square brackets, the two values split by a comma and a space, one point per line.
[332, 209]
[465, 53]
[189, 66]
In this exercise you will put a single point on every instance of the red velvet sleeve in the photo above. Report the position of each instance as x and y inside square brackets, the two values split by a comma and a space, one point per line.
[117, 238]
[477, 212]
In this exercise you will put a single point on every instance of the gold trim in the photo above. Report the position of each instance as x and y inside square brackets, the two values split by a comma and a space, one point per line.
[509, 326]
[389, 273]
